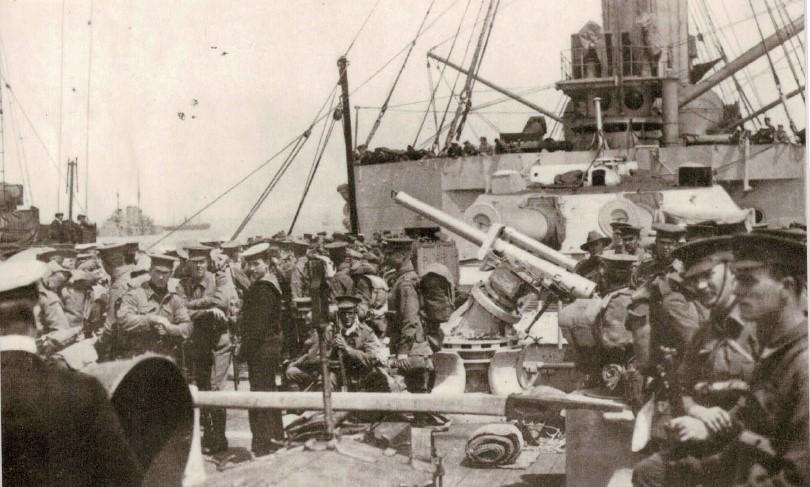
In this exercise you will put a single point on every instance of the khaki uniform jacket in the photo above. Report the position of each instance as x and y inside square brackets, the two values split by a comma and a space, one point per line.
[136, 335]
[365, 352]
[779, 409]
[299, 279]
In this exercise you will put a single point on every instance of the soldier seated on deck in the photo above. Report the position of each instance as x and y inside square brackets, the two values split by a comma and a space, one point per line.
[354, 351]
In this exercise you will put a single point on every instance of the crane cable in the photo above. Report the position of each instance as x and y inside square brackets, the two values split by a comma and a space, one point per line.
[773, 69]
[399, 74]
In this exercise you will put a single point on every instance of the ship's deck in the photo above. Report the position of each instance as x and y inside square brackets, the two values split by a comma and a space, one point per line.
[298, 467]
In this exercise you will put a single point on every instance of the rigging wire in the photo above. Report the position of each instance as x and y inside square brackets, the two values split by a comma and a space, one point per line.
[718, 43]
[404, 48]
[311, 176]
[362, 26]
[441, 75]
[773, 69]
[273, 181]
[472, 77]
[34, 130]
[399, 74]
[784, 48]
[746, 71]
[87, 113]
[458, 75]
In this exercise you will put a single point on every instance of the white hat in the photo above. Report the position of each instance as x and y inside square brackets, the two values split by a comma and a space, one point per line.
[14, 275]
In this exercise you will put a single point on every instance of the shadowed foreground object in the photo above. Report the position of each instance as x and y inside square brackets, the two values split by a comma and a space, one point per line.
[155, 410]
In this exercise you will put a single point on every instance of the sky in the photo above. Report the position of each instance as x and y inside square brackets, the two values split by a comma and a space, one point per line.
[189, 97]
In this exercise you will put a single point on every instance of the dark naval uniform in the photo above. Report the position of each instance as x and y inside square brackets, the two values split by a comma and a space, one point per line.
[260, 322]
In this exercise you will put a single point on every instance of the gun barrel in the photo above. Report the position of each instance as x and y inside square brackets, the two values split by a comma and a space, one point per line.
[576, 285]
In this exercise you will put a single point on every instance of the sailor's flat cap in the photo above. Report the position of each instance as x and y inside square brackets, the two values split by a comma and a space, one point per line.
[258, 251]
[66, 253]
[337, 245]
[232, 246]
[20, 274]
[668, 230]
[618, 261]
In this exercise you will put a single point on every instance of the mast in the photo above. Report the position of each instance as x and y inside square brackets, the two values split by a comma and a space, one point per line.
[347, 138]
[71, 174]
[2, 142]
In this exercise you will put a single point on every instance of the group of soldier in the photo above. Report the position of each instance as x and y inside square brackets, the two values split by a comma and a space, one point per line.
[706, 334]
[206, 305]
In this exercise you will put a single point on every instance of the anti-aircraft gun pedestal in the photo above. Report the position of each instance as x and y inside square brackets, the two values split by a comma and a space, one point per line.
[483, 326]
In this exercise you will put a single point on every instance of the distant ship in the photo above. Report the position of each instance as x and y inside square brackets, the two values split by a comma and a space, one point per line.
[188, 226]
[129, 222]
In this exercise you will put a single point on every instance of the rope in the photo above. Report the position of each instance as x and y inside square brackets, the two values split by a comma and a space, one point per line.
[87, 116]
[313, 170]
[356, 35]
[399, 74]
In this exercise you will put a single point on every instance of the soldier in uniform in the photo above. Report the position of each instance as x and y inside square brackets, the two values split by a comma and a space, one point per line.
[630, 238]
[232, 250]
[408, 340]
[341, 283]
[372, 291]
[766, 439]
[112, 260]
[299, 279]
[718, 362]
[354, 343]
[262, 340]
[152, 317]
[207, 299]
[594, 245]
[667, 237]
[52, 319]
[59, 428]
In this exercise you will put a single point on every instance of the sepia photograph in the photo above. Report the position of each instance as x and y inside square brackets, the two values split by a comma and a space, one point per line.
[405, 243]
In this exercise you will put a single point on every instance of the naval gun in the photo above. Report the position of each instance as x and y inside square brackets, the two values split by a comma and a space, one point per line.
[481, 328]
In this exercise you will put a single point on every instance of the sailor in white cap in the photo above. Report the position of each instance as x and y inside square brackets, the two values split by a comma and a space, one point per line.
[58, 426]
[260, 322]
